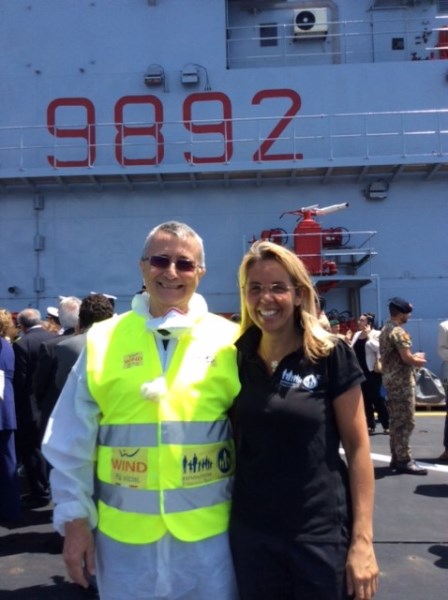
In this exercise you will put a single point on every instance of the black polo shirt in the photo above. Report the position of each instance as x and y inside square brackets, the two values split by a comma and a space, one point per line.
[290, 478]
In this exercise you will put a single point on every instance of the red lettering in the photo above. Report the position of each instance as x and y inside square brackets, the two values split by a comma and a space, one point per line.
[154, 131]
[86, 132]
[262, 153]
[139, 122]
[129, 465]
[222, 128]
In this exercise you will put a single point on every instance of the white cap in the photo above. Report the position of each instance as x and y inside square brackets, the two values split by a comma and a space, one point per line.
[52, 311]
[108, 296]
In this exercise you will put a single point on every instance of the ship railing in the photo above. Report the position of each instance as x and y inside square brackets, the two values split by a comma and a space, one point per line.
[334, 252]
[346, 42]
[341, 252]
[315, 140]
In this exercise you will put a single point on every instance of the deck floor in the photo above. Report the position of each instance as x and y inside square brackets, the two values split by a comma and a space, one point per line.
[411, 531]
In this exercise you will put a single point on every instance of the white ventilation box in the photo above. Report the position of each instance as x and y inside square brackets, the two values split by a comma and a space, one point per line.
[311, 22]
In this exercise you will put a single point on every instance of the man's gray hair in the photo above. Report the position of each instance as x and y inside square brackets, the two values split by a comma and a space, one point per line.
[69, 312]
[179, 230]
[29, 317]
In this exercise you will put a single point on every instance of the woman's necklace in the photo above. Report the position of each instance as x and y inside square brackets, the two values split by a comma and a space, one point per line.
[273, 364]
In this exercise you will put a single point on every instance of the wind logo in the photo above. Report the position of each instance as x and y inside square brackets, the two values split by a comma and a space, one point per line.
[133, 466]
[127, 454]
[129, 467]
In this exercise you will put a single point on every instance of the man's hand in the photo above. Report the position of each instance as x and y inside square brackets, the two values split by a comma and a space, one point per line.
[78, 552]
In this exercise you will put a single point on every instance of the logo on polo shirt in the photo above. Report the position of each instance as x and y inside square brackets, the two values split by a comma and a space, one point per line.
[291, 380]
[310, 382]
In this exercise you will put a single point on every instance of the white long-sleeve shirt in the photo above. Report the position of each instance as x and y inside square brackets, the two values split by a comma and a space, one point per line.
[372, 347]
[69, 445]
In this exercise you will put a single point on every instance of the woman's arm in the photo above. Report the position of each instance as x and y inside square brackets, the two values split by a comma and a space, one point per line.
[361, 567]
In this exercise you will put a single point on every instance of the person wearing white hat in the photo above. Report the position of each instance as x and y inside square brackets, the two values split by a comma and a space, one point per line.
[53, 312]
[52, 319]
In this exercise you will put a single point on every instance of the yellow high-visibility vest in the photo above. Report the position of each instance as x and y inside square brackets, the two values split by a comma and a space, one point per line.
[164, 464]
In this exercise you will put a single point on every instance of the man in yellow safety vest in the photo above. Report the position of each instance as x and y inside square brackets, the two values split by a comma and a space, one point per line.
[140, 441]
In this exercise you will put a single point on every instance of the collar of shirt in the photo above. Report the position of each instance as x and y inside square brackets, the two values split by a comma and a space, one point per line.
[174, 323]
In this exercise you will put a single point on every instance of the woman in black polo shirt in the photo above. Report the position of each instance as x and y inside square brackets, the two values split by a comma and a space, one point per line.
[301, 524]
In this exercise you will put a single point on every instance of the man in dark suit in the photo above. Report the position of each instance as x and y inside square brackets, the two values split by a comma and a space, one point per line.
[26, 350]
[44, 386]
[94, 308]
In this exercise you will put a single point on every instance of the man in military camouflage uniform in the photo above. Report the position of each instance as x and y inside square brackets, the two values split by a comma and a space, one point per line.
[399, 380]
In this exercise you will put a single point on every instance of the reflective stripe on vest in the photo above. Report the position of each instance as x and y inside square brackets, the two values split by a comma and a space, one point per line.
[196, 432]
[117, 436]
[178, 500]
[138, 435]
[213, 489]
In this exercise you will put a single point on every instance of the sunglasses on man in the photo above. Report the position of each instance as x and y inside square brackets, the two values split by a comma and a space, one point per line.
[183, 265]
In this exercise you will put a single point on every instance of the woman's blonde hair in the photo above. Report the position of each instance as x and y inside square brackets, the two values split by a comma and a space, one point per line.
[7, 328]
[316, 341]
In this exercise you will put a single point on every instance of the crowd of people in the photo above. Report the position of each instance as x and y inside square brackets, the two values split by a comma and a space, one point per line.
[36, 354]
[176, 443]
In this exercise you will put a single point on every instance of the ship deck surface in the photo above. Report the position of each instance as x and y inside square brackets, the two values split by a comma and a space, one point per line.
[411, 531]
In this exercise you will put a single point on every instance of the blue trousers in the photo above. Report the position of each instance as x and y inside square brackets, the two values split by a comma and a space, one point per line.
[9, 482]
